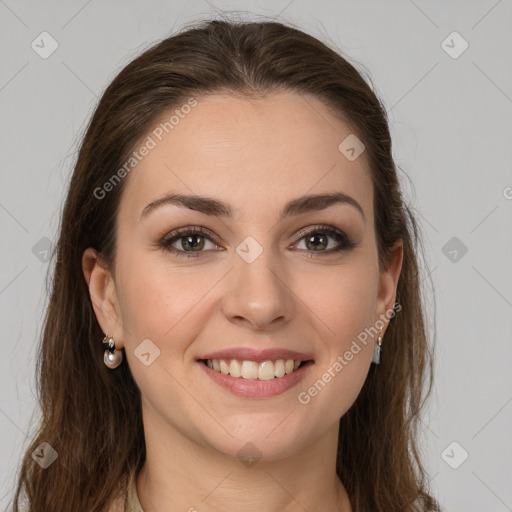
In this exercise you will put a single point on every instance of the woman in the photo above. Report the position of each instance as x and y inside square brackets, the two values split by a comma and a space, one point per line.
[236, 320]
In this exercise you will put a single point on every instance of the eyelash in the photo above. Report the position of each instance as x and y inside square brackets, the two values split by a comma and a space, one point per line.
[341, 237]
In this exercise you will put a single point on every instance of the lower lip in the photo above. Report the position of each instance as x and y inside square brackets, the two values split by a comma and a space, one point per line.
[255, 388]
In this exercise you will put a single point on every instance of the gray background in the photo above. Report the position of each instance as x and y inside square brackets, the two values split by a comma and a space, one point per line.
[451, 121]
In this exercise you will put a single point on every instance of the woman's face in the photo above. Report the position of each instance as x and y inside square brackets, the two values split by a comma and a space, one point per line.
[259, 286]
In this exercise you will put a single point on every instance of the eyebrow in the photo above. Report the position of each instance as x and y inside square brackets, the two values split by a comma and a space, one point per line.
[214, 207]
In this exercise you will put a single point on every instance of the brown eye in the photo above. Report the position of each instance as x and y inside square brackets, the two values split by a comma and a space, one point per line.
[191, 241]
[317, 240]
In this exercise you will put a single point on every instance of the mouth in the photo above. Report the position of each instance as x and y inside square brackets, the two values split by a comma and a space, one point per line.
[256, 370]
[248, 373]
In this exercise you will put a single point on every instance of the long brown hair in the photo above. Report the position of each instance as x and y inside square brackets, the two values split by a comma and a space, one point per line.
[91, 415]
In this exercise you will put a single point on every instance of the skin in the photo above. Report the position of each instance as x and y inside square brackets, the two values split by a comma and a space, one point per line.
[231, 149]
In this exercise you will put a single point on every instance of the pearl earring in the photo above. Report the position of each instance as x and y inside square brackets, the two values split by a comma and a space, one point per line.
[112, 357]
[377, 351]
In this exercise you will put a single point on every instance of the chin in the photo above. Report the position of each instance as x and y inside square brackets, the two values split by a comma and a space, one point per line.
[264, 441]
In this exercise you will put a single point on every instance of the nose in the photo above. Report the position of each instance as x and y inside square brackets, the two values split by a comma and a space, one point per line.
[258, 294]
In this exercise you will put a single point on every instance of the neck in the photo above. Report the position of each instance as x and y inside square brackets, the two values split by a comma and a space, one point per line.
[180, 474]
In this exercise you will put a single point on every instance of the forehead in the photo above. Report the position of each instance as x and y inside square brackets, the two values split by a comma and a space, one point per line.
[255, 154]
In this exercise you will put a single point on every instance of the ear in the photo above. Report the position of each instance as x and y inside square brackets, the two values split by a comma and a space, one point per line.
[388, 282]
[102, 290]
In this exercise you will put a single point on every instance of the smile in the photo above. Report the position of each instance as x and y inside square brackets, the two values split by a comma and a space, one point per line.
[265, 370]
[246, 381]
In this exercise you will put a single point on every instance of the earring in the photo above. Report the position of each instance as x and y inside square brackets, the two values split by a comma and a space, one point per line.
[377, 351]
[112, 357]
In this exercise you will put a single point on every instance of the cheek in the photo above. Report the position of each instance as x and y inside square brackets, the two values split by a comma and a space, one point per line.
[341, 301]
[343, 308]
[157, 297]
[163, 305]
[333, 389]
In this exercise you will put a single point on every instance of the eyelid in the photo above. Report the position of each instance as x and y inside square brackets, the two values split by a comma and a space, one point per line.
[200, 230]
[176, 234]
[313, 228]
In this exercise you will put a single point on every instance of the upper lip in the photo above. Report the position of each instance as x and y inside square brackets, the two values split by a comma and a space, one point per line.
[249, 354]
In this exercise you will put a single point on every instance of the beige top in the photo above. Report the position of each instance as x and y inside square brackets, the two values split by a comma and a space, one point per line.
[132, 500]
[129, 501]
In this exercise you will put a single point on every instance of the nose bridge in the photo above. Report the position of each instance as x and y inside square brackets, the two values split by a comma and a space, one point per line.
[258, 288]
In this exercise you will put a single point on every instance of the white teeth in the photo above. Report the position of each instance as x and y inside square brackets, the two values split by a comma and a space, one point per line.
[279, 369]
[235, 369]
[266, 370]
[224, 367]
[251, 370]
